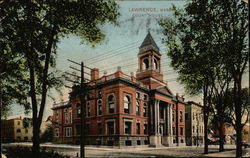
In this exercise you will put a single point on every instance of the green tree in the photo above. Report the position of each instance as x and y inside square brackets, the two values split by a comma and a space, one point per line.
[231, 25]
[47, 135]
[32, 30]
[219, 105]
[188, 38]
[230, 109]
[207, 34]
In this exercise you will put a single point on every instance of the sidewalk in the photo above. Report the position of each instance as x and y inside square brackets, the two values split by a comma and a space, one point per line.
[142, 151]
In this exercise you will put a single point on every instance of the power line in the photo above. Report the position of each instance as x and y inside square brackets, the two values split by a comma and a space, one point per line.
[111, 54]
[110, 51]
[115, 50]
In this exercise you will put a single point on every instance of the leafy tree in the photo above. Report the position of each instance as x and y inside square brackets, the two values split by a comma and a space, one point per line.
[230, 109]
[219, 104]
[208, 34]
[231, 25]
[188, 37]
[12, 79]
[32, 29]
[47, 136]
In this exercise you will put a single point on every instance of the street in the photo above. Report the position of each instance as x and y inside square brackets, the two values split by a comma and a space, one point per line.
[143, 151]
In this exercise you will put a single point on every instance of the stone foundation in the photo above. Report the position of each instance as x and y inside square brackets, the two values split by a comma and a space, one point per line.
[108, 141]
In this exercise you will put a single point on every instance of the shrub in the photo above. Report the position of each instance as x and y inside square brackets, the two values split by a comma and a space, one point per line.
[26, 152]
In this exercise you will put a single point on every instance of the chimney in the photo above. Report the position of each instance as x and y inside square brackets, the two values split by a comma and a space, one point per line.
[94, 74]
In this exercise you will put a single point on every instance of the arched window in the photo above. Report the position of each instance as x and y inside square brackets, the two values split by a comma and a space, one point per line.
[181, 116]
[78, 110]
[127, 104]
[111, 104]
[99, 107]
[145, 65]
[145, 111]
[155, 64]
[137, 108]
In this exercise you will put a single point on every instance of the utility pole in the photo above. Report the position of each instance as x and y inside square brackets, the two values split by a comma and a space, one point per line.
[82, 98]
[83, 92]
[1, 105]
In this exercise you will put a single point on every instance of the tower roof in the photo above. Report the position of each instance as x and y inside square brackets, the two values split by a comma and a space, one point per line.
[148, 44]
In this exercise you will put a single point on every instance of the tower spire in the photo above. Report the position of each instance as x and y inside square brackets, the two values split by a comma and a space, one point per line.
[148, 44]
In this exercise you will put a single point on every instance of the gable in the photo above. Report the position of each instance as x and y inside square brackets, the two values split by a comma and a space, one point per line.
[164, 89]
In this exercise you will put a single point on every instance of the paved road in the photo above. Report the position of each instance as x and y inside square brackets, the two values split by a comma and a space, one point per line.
[104, 152]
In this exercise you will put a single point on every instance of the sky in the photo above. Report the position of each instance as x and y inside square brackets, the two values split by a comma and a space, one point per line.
[120, 47]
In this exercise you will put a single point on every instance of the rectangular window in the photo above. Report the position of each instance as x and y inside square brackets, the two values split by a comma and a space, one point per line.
[181, 131]
[70, 117]
[68, 132]
[145, 97]
[66, 118]
[173, 116]
[87, 129]
[128, 127]
[181, 116]
[111, 127]
[78, 129]
[145, 128]
[193, 116]
[174, 132]
[138, 128]
[56, 132]
[99, 128]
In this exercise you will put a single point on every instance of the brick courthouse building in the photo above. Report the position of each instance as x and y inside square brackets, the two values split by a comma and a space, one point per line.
[124, 110]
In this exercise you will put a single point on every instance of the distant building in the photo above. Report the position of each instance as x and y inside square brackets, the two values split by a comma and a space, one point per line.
[124, 110]
[194, 124]
[18, 129]
[229, 133]
[246, 133]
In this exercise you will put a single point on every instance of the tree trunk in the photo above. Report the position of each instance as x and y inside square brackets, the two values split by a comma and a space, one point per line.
[221, 135]
[238, 107]
[205, 132]
[36, 140]
[205, 115]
